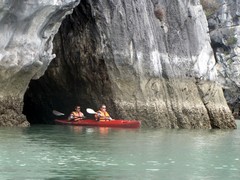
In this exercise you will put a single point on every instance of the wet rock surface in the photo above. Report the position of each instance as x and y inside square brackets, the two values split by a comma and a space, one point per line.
[11, 113]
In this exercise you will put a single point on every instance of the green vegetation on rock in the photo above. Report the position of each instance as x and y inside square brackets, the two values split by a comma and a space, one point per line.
[209, 6]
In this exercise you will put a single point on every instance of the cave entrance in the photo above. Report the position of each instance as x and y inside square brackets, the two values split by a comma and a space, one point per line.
[78, 74]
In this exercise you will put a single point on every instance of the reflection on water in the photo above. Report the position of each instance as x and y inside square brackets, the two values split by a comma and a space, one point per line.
[75, 152]
[82, 129]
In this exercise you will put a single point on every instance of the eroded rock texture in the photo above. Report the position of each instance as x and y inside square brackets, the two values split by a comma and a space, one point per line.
[147, 60]
[27, 29]
[225, 31]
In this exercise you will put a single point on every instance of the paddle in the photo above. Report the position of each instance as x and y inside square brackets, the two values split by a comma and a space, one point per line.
[90, 111]
[57, 113]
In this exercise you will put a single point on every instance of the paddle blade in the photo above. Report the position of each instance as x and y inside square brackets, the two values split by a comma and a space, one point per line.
[57, 113]
[90, 111]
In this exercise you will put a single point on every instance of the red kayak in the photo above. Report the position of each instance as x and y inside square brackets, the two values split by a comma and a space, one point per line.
[112, 123]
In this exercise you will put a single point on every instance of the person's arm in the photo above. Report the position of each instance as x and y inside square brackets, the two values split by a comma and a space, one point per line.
[82, 115]
[97, 116]
[71, 117]
[108, 117]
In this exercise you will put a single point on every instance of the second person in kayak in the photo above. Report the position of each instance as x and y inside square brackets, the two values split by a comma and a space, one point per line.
[76, 114]
[102, 114]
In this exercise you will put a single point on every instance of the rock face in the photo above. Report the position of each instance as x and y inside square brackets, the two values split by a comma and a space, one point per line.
[148, 60]
[27, 29]
[225, 31]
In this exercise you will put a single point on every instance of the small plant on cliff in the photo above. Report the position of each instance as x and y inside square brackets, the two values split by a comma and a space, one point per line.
[159, 12]
[210, 6]
[230, 39]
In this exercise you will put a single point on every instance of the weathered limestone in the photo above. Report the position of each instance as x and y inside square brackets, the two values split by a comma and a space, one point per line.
[225, 33]
[180, 104]
[27, 29]
[149, 60]
[11, 112]
[160, 70]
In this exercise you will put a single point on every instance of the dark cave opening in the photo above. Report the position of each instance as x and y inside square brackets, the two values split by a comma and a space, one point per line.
[41, 99]
[77, 76]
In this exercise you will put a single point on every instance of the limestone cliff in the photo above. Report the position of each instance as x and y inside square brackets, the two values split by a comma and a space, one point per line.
[223, 18]
[148, 60]
[27, 29]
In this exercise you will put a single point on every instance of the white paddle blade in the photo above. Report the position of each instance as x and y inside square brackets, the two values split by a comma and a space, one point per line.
[90, 111]
[57, 113]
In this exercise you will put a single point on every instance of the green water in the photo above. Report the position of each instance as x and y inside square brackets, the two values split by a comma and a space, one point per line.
[64, 152]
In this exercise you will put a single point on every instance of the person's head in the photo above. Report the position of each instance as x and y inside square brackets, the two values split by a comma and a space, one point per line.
[103, 107]
[77, 108]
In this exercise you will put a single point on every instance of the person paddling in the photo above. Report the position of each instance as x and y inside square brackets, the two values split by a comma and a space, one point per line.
[102, 114]
[76, 114]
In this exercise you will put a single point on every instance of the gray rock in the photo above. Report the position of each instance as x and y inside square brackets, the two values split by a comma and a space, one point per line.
[147, 60]
[225, 33]
[160, 70]
[27, 29]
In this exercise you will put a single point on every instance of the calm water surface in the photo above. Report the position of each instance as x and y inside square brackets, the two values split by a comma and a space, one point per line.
[66, 152]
